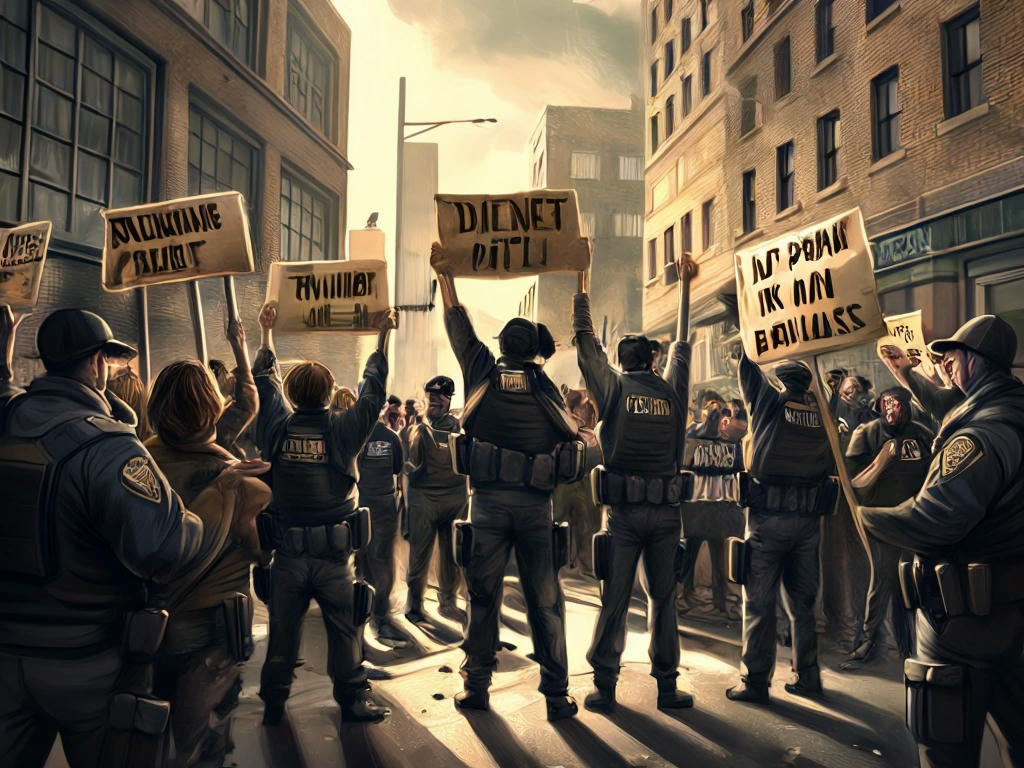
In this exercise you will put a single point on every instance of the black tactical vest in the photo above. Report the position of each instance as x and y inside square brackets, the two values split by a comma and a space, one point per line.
[437, 458]
[377, 463]
[643, 430]
[313, 485]
[798, 449]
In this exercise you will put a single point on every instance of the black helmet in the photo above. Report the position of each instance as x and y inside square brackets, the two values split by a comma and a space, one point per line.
[440, 384]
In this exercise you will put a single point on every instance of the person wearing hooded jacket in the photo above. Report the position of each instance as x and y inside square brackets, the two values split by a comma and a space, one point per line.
[790, 489]
[966, 528]
[520, 442]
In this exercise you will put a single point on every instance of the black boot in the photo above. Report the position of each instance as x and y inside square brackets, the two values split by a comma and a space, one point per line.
[670, 697]
[600, 699]
[273, 711]
[361, 708]
[808, 683]
[561, 707]
[748, 692]
[473, 698]
[449, 610]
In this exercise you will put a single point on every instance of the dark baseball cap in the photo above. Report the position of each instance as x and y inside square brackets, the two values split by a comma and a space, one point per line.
[988, 335]
[440, 384]
[71, 334]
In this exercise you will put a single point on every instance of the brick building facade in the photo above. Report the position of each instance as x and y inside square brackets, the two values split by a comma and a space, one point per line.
[113, 103]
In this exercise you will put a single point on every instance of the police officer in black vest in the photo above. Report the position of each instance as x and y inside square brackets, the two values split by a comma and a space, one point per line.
[888, 459]
[436, 496]
[790, 488]
[314, 451]
[520, 443]
[642, 429]
[75, 587]
[380, 463]
[966, 526]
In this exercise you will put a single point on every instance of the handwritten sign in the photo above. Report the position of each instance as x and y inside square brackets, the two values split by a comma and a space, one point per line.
[906, 331]
[201, 236]
[502, 236]
[808, 292]
[22, 253]
[329, 295]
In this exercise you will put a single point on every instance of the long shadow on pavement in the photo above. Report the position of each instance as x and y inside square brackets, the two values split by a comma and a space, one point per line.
[588, 746]
[665, 741]
[500, 740]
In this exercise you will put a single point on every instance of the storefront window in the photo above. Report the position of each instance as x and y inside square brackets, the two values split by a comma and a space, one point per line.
[1003, 294]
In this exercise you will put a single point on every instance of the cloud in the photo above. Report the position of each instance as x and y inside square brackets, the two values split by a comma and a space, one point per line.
[535, 51]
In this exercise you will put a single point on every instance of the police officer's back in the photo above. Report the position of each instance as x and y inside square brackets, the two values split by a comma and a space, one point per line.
[78, 545]
[967, 581]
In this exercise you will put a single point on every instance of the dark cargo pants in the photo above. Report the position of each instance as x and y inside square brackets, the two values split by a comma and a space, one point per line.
[297, 579]
[40, 698]
[376, 561]
[991, 651]
[653, 532]
[883, 591]
[784, 547]
[503, 520]
[431, 515]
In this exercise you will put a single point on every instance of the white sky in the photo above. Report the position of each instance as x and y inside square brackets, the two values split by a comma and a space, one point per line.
[484, 158]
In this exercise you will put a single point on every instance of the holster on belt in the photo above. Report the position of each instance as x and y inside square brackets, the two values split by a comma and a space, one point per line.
[601, 550]
[612, 488]
[739, 559]
[949, 589]
[267, 531]
[359, 529]
[486, 463]
[792, 499]
[463, 543]
[236, 626]
[681, 563]
[560, 535]
[362, 602]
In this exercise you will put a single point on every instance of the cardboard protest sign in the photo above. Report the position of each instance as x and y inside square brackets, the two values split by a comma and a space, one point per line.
[329, 295]
[808, 292]
[201, 236]
[501, 236]
[22, 253]
[907, 332]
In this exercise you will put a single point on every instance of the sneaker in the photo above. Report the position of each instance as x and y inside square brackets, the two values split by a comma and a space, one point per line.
[362, 709]
[473, 698]
[749, 693]
[600, 700]
[561, 707]
[273, 711]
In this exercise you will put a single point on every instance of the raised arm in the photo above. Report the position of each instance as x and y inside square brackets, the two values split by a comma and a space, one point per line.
[356, 423]
[272, 409]
[597, 371]
[677, 372]
[9, 322]
[474, 357]
[242, 410]
[752, 380]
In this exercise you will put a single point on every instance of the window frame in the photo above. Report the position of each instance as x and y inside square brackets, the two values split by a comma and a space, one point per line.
[707, 211]
[668, 11]
[749, 202]
[875, 8]
[892, 74]
[686, 232]
[785, 178]
[747, 21]
[669, 57]
[824, 30]
[620, 228]
[652, 258]
[685, 36]
[705, 73]
[581, 153]
[655, 143]
[253, 37]
[687, 93]
[655, 82]
[704, 14]
[625, 161]
[654, 25]
[670, 116]
[73, 240]
[299, 178]
[828, 157]
[783, 64]
[312, 35]
[954, 35]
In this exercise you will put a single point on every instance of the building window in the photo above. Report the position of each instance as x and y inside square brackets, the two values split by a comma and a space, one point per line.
[749, 202]
[785, 177]
[233, 24]
[654, 78]
[311, 73]
[687, 95]
[686, 231]
[875, 7]
[670, 57]
[783, 69]
[670, 115]
[585, 165]
[538, 171]
[307, 221]
[747, 20]
[654, 134]
[588, 224]
[685, 40]
[631, 168]
[963, 62]
[89, 139]
[705, 74]
[668, 10]
[218, 160]
[654, 24]
[824, 32]
[828, 149]
[705, 12]
[669, 254]
[748, 106]
[708, 223]
[652, 259]
[885, 103]
[628, 225]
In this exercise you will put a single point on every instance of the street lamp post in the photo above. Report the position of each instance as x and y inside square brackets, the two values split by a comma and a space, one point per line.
[400, 181]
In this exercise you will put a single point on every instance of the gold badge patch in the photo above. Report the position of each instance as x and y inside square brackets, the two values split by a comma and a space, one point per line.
[959, 454]
[137, 476]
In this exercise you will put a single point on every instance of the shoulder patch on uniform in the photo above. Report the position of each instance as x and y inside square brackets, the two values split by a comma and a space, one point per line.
[958, 454]
[138, 477]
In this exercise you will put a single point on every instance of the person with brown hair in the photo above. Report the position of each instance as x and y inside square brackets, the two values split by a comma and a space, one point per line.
[127, 385]
[314, 451]
[344, 398]
[210, 629]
